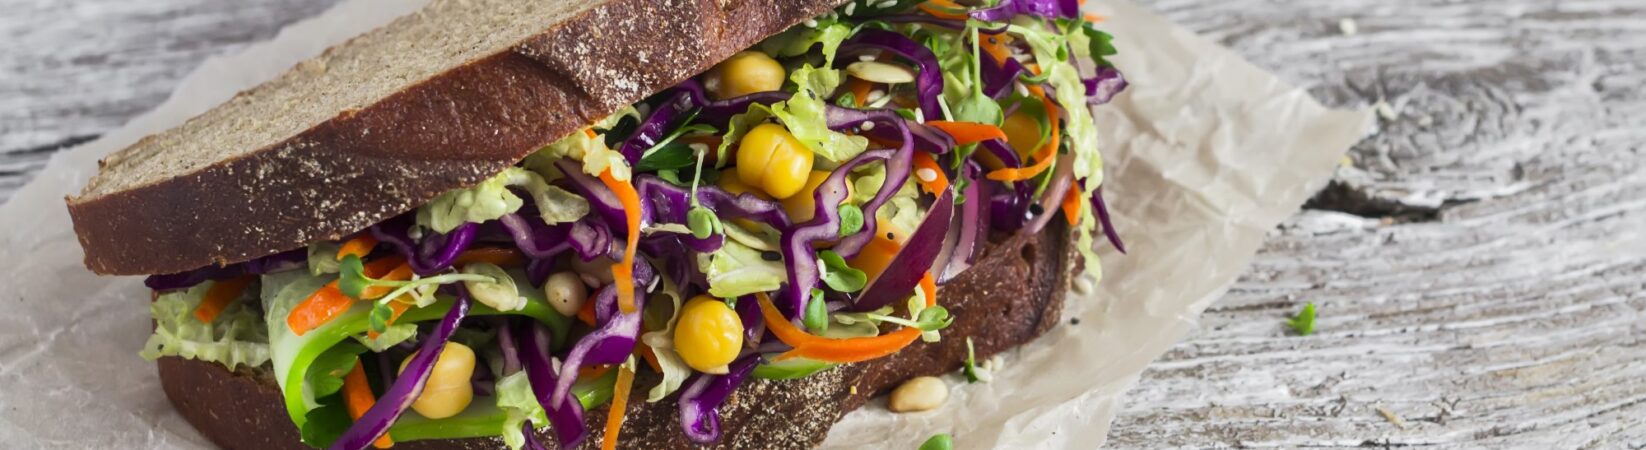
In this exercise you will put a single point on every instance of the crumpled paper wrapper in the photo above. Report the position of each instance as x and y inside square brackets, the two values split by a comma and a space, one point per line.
[1206, 153]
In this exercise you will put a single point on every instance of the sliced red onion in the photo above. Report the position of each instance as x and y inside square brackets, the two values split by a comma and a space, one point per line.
[1104, 86]
[565, 416]
[399, 396]
[701, 399]
[929, 80]
[663, 118]
[912, 261]
[1101, 209]
[1056, 189]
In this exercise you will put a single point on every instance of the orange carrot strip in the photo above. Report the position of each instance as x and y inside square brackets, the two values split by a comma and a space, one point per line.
[928, 286]
[1071, 205]
[586, 313]
[831, 350]
[321, 307]
[396, 309]
[1043, 156]
[995, 45]
[939, 182]
[359, 247]
[358, 398]
[860, 90]
[590, 373]
[968, 132]
[650, 356]
[505, 257]
[401, 272]
[944, 9]
[623, 273]
[1094, 17]
[620, 402]
[219, 295]
[590, 132]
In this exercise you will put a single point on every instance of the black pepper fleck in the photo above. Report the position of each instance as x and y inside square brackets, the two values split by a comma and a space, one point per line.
[890, 236]
[1036, 209]
[771, 256]
[1074, 321]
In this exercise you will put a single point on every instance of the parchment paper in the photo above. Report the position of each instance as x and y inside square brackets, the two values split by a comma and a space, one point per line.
[1206, 153]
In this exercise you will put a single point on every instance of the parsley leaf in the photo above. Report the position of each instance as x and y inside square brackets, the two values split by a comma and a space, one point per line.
[1304, 322]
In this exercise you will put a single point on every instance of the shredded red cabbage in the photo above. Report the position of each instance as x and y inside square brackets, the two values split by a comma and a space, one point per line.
[969, 230]
[399, 396]
[613, 340]
[928, 80]
[1007, 9]
[278, 262]
[1104, 86]
[1101, 209]
[700, 400]
[912, 261]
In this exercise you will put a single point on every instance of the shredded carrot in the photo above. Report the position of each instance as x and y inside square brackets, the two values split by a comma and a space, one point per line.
[219, 295]
[968, 132]
[623, 273]
[1094, 17]
[995, 45]
[358, 398]
[359, 247]
[321, 307]
[586, 313]
[928, 286]
[846, 350]
[650, 356]
[1071, 205]
[1047, 152]
[329, 302]
[401, 272]
[620, 402]
[590, 132]
[939, 182]
[944, 9]
[860, 90]
[505, 257]
[396, 308]
[592, 372]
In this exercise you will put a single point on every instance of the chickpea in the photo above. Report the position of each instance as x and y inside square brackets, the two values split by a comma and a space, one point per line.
[803, 206]
[448, 391]
[918, 394]
[746, 73]
[773, 160]
[709, 334]
[1022, 133]
[566, 293]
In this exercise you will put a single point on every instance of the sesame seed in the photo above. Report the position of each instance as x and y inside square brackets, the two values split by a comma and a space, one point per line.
[811, 23]
[771, 256]
[926, 174]
[867, 57]
[866, 126]
[875, 95]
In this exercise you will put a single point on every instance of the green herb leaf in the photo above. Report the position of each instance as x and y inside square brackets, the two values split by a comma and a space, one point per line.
[971, 363]
[940, 441]
[325, 377]
[817, 313]
[322, 426]
[1304, 322]
[1101, 45]
[851, 219]
[380, 315]
[840, 276]
[934, 318]
[351, 277]
[674, 155]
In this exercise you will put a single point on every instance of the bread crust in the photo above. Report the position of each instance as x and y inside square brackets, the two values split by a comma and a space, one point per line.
[1014, 294]
[446, 132]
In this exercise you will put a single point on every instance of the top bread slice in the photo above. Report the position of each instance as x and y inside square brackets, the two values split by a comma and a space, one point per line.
[437, 100]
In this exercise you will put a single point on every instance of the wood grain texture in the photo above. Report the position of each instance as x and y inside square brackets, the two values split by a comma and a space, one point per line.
[1478, 266]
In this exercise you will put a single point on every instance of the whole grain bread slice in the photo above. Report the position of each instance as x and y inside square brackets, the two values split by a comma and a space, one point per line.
[1013, 295]
[437, 100]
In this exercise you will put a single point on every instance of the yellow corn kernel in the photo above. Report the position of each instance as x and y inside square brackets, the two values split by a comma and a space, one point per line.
[1022, 133]
[771, 158]
[709, 334]
[746, 73]
[802, 206]
[448, 391]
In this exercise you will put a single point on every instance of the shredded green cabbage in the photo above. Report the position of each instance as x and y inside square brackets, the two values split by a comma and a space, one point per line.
[515, 398]
[804, 115]
[488, 200]
[235, 338]
[675, 370]
[737, 270]
[800, 40]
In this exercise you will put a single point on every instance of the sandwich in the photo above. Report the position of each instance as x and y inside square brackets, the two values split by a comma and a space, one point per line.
[635, 223]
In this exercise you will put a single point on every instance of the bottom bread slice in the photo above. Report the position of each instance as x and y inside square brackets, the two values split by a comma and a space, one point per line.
[1013, 294]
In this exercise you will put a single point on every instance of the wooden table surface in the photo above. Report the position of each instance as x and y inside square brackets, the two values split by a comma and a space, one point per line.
[1476, 266]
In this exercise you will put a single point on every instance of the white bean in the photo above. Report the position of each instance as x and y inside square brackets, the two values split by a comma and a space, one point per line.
[918, 394]
[566, 293]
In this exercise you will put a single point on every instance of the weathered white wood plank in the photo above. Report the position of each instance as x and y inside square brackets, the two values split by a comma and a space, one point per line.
[1479, 265]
